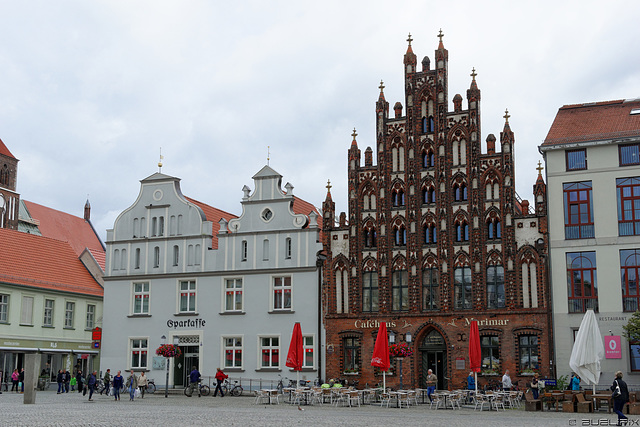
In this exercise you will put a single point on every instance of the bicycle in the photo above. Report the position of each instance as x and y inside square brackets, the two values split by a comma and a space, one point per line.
[236, 390]
[151, 386]
[280, 385]
[204, 390]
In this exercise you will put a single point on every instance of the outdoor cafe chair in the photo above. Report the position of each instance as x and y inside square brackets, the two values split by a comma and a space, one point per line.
[498, 401]
[438, 400]
[353, 397]
[481, 400]
[261, 397]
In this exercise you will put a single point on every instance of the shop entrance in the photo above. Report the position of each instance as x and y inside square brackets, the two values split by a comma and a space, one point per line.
[434, 355]
[190, 357]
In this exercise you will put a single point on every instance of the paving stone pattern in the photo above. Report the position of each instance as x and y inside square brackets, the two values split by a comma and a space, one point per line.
[73, 409]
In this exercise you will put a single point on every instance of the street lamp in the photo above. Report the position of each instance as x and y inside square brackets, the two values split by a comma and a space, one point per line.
[163, 341]
[392, 340]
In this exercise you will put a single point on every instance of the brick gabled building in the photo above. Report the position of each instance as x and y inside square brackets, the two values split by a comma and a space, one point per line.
[435, 237]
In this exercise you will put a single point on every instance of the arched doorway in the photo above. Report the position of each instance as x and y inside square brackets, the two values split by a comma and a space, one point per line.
[434, 356]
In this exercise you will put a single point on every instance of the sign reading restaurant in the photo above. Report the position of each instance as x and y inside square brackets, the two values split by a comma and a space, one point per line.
[372, 323]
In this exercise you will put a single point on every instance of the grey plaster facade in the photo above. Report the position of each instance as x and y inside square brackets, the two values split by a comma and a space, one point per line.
[228, 289]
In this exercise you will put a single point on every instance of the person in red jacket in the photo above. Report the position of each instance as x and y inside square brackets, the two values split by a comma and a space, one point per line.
[220, 376]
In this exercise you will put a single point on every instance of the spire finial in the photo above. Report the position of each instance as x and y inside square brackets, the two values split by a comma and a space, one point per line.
[328, 186]
[539, 168]
[473, 74]
[506, 115]
[381, 87]
[440, 35]
[268, 154]
[354, 134]
[160, 161]
[409, 39]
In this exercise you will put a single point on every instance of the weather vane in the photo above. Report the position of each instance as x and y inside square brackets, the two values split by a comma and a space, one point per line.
[160, 161]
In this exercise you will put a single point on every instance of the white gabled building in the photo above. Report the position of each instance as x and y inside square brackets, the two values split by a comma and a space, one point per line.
[228, 289]
[592, 156]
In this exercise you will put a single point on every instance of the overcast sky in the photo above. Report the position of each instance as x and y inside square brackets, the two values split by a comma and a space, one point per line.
[90, 90]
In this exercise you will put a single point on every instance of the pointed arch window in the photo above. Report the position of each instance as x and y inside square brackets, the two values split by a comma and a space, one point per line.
[430, 234]
[400, 236]
[462, 232]
[370, 237]
[495, 287]
[398, 197]
[462, 288]
[460, 192]
[494, 229]
[370, 293]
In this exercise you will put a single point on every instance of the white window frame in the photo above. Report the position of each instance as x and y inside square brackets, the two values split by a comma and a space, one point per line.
[287, 248]
[189, 291]
[142, 294]
[139, 348]
[26, 310]
[244, 245]
[48, 312]
[311, 347]
[234, 290]
[233, 348]
[4, 308]
[269, 348]
[69, 320]
[282, 288]
[91, 317]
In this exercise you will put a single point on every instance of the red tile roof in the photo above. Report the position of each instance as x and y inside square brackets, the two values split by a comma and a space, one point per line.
[4, 150]
[214, 215]
[68, 228]
[305, 208]
[594, 121]
[45, 263]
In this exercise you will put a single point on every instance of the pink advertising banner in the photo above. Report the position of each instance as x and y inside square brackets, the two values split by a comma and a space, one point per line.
[612, 347]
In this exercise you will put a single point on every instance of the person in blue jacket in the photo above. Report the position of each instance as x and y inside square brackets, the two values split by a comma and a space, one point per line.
[471, 382]
[118, 381]
[575, 383]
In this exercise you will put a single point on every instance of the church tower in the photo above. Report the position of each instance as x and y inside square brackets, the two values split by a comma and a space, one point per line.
[9, 199]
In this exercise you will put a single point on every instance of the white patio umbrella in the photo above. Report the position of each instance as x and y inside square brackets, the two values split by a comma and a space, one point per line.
[588, 350]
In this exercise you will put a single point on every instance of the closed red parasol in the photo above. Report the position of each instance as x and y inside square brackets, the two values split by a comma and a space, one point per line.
[475, 352]
[295, 357]
[380, 356]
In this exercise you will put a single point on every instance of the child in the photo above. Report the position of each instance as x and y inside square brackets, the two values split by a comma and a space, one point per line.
[73, 383]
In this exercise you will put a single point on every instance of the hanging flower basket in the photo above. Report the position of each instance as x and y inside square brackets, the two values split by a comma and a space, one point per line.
[168, 350]
[400, 350]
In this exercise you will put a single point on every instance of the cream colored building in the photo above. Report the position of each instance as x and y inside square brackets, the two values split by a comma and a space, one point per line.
[592, 157]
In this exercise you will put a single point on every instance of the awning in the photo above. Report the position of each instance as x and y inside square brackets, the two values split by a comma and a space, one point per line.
[18, 349]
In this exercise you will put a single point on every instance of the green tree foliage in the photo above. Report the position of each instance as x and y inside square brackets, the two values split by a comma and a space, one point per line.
[632, 328]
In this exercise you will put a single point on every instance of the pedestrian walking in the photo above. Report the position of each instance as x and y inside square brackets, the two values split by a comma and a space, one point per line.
[506, 381]
[107, 380]
[67, 381]
[15, 379]
[80, 382]
[73, 383]
[220, 377]
[60, 381]
[620, 397]
[21, 378]
[194, 379]
[432, 382]
[91, 383]
[132, 385]
[117, 385]
[142, 383]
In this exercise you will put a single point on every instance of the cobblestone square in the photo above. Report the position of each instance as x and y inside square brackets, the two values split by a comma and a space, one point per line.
[73, 409]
